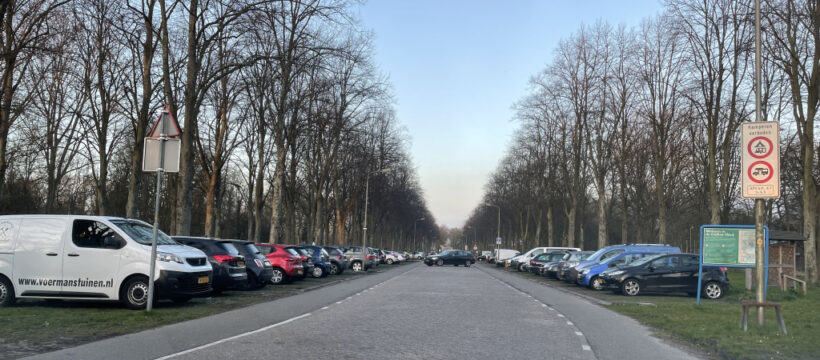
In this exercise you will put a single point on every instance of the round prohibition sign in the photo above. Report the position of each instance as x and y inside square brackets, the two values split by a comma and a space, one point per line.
[768, 149]
[760, 172]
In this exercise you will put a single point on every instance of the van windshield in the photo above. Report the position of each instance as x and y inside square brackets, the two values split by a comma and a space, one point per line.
[142, 232]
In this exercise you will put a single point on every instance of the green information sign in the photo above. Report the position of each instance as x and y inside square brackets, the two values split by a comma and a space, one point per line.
[728, 246]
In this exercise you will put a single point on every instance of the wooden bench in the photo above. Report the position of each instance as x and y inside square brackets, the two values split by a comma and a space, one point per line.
[795, 282]
[744, 317]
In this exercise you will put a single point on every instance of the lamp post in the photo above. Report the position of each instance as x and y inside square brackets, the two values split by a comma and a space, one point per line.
[499, 225]
[414, 235]
[364, 221]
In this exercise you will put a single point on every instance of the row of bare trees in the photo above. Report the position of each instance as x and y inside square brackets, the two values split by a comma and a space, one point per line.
[631, 134]
[285, 118]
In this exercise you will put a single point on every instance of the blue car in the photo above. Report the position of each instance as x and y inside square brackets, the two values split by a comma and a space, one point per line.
[320, 258]
[614, 250]
[588, 276]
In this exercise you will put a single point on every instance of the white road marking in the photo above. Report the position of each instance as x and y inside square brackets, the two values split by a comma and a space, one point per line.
[560, 315]
[234, 337]
[339, 302]
[579, 333]
[325, 308]
[569, 323]
[586, 348]
[544, 305]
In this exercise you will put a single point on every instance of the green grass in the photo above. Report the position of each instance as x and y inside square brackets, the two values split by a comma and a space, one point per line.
[713, 327]
[36, 326]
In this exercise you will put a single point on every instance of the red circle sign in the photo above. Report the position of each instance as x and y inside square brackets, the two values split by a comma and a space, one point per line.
[760, 172]
[752, 151]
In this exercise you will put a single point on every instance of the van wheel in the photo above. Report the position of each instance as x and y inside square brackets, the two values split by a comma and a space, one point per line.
[6, 292]
[134, 293]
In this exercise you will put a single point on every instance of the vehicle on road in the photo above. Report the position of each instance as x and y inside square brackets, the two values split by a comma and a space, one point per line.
[667, 273]
[94, 258]
[229, 270]
[358, 261]
[287, 264]
[338, 260]
[390, 258]
[451, 257]
[258, 266]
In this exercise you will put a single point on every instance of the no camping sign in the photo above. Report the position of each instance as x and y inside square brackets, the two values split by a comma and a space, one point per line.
[760, 160]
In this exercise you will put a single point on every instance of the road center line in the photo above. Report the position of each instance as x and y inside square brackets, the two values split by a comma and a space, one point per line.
[234, 337]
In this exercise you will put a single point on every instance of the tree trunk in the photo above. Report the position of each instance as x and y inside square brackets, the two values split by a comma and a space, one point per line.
[550, 228]
[276, 202]
[602, 215]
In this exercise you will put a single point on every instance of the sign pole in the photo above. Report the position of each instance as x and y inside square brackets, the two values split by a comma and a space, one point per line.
[163, 138]
[759, 234]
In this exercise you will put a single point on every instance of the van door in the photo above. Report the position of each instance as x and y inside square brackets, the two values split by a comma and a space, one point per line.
[92, 260]
[38, 258]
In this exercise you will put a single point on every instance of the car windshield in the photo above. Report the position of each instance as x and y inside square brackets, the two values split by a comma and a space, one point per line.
[610, 255]
[292, 251]
[142, 232]
[230, 248]
[252, 248]
[447, 252]
[645, 260]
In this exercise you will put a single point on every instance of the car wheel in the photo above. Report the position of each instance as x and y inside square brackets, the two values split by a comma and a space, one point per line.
[277, 276]
[521, 268]
[712, 290]
[317, 272]
[631, 287]
[357, 266]
[439, 262]
[134, 293]
[6, 292]
[467, 263]
[596, 283]
[389, 261]
[334, 269]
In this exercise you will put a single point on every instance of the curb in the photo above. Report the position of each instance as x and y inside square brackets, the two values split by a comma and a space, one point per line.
[570, 292]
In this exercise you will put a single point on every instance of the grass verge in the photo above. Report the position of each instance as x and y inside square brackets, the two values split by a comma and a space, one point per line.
[713, 327]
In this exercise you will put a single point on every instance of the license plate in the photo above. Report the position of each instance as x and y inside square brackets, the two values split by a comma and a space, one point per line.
[202, 280]
[299, 272]
[240, 263]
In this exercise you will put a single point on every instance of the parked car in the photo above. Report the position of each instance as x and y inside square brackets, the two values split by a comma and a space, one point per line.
[504, 254]
[588, 275]
[320, 259]
[556, 269]
[390, 257]
[668, 273]
[307, 258]
[358, 261]
[399, 256]
[537, 263]
[338, 260]
[107, 256]
[258, 266]
[613, 250]
[520, 262]
[287, 264]
[229, 270]
[451, 257]
[374, 253]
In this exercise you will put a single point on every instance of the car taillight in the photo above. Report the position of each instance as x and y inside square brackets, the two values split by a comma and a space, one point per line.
[532, 262]
[339, 257]
[224, 258]
[723, 268]
[369, 256]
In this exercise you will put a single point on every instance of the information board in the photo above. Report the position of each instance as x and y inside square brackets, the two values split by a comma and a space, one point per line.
[729, 246]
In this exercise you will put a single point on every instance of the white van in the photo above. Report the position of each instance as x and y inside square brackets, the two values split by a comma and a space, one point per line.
[94, 258]
[521, 262]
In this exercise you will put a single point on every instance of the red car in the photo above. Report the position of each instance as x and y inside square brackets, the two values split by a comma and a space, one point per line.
[286, 265]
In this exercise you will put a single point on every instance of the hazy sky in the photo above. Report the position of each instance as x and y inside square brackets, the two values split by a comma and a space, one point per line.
[458, 66]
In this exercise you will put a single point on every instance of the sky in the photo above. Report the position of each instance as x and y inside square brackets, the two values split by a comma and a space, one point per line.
[457, 67]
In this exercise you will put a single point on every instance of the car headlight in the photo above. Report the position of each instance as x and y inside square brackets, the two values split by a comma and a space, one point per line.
[616, 273]
[435, 257]
[161, 256]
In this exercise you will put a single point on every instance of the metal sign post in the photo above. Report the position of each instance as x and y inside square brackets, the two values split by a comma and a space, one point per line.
[155, 158]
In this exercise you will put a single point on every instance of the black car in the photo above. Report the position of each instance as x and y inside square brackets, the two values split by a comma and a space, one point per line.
[670, 273]
[228, 264]
[338, 260]
[258, 266]
[539, 261]
[451, 257]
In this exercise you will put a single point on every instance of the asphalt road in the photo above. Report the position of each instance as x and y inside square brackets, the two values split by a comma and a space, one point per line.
[407, 312]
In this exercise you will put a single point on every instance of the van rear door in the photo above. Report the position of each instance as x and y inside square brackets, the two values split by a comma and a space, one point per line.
[38, 258]
[92, 260]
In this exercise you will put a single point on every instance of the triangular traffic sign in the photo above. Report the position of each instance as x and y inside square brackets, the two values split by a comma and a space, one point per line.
[168, 125]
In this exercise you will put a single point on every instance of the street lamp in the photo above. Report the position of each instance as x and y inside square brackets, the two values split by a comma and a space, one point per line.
[499, 225]
[414, 234]
[364, 221]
